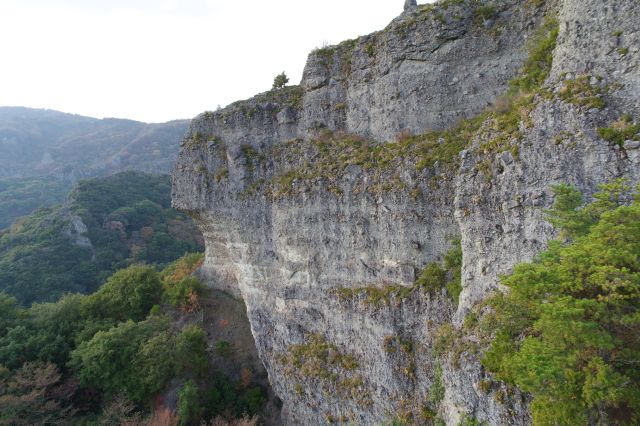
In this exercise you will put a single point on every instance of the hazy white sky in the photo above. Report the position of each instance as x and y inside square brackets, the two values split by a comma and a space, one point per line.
[157, 60]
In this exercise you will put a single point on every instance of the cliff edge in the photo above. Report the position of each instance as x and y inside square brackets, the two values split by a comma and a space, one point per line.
[436, 139]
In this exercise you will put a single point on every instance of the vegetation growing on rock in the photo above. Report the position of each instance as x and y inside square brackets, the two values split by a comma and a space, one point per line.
[317, 359]
[333, 153]
[581, 92]
[327, 157]
[431, 280]
[622, 130]
[567, 330]
[280, 81]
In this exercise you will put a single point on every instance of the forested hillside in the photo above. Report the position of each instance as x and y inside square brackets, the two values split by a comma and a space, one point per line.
[21, 196]
[106, 224]
[139, 351]
[126, 335]
[35, 142]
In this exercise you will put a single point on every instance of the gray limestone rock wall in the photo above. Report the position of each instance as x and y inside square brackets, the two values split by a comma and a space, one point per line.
[500, 210]
[285, 258]
[293, 234]
[602, 38]
[430, 67]
[561, 145]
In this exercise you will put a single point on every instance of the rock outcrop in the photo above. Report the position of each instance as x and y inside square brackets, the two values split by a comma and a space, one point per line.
[322, 203]
[410, 4]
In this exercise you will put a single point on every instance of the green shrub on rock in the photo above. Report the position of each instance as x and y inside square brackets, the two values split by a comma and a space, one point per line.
[567, 332]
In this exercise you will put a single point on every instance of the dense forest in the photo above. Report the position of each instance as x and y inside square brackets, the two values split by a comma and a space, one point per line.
[134, 352]
[105, 225]
[102, 322]
[22, 196]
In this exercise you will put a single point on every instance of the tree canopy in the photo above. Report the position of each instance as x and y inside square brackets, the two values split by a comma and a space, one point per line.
[128, 219]
[568, 329]
[103, 357]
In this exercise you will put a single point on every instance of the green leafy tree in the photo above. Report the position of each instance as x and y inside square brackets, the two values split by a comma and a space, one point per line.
[46, 332]
[573, 219]
[568, 331]
[134, 358]
[189, 407]
[180, 294]
[9, 312]
[252, 401]
[154, 363]
[182, 268]
[191, 350]
[128, 294]
[180, 288]
[225, 398]
[280, 81]
[222, 396]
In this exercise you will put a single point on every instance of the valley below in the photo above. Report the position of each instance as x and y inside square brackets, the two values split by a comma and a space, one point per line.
[439, 225]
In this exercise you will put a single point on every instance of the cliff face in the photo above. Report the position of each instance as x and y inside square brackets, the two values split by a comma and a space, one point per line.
[597, 52]
[321, 203]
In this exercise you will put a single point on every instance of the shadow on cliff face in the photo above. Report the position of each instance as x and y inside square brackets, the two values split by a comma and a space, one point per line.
[236, 382]
[233, 351]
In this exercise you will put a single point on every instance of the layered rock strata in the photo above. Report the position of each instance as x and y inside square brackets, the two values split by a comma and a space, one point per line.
[322, 203]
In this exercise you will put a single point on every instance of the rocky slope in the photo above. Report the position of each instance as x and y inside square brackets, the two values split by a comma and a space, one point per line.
[322, 203]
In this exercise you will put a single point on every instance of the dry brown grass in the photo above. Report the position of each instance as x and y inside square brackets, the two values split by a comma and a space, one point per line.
[404, 135]
[502, 105]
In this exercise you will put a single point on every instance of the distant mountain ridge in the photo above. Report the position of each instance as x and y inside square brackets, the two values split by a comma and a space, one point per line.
[38, 142]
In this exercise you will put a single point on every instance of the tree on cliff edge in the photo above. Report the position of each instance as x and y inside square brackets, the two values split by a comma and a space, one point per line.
[280, 81]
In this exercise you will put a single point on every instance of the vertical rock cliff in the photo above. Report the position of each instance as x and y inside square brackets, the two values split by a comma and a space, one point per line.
[323, 204]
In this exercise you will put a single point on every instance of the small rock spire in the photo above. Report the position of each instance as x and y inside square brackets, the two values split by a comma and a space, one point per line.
[410, 4]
